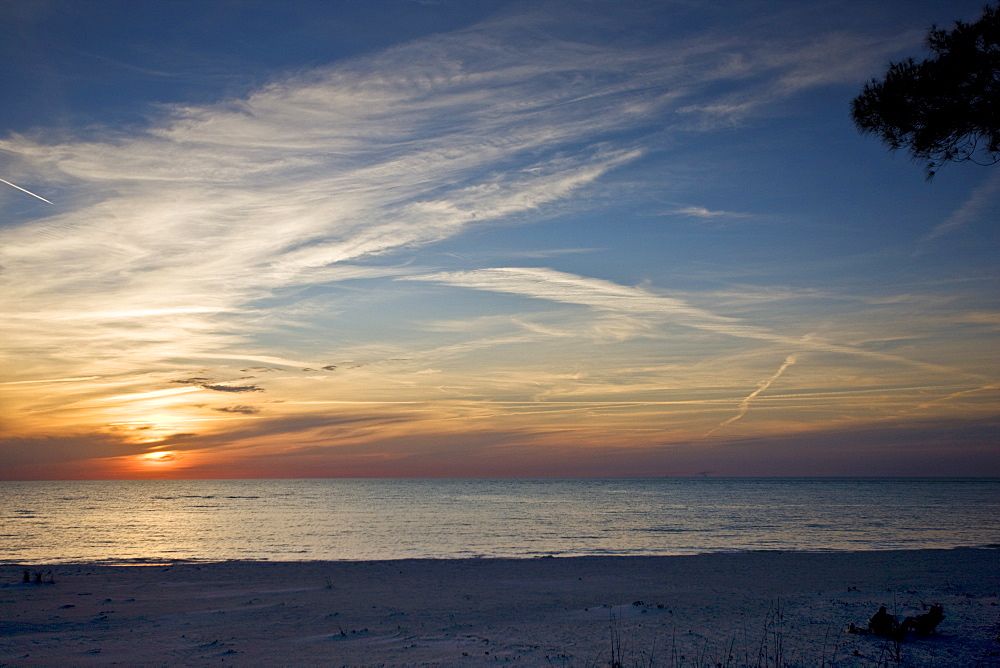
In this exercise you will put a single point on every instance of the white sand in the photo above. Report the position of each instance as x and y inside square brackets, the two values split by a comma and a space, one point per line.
[668, 611]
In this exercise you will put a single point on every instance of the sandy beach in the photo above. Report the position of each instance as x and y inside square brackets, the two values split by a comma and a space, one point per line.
[763, 608]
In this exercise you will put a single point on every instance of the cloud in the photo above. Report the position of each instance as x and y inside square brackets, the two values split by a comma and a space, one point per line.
[633, 310]
[702, 212]
[543, 283]
[973, 210]
[142, 396]
[194, 220]
[834, 57]
[46, 451]
[233, 388]
[208, 384]
[49, 380]
[744, 406]
[198, 240]
[242, 410]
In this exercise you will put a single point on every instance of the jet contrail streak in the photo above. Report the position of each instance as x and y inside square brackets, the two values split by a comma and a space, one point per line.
[745, 404]
[26, 191]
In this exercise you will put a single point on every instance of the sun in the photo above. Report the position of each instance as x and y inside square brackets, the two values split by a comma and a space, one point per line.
[159, 457]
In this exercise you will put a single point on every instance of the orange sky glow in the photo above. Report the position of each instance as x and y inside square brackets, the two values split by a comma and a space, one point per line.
[539, 240]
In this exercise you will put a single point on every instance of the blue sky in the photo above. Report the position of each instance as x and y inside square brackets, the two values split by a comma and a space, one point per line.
[489, 239]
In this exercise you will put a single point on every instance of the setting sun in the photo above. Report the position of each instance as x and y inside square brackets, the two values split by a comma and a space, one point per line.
[161, 457]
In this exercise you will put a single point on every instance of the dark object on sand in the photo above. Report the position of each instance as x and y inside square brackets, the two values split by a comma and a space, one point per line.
[37, 577]
[924, 624]
[882, 623]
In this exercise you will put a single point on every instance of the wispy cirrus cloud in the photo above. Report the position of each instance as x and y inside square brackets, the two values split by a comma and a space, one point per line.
[705, 214]
[240, 409]
[198, 240]
[973, 209]
[637, 302]
[744, 406]
[557, 286]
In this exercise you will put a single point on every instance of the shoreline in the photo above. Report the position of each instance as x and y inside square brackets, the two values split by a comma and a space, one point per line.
[180, 562]
[526, 611]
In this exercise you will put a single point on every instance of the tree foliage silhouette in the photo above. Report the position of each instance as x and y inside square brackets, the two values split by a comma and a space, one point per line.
[945, 108]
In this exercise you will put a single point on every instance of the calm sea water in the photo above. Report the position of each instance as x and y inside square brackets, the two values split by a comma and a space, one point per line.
[316, 519]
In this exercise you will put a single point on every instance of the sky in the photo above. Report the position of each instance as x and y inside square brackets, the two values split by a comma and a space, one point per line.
[401, 238]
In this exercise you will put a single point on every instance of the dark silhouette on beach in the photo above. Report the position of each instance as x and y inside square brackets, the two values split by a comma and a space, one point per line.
[885, 625]
[882, 623]
[925, 624]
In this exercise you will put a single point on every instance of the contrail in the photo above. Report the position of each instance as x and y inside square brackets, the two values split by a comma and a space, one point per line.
[745, 404]
[26, 191]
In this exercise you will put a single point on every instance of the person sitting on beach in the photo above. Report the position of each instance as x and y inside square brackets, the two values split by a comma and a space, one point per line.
[882, 623]
[926, 623]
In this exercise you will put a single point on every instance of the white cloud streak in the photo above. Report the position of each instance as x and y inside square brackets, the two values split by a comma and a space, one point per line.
[139, 396]
[25, 191]
[50, 380]
[628, 302]
[605, 296]
[702, 212]
[972, 210]
[744, 406]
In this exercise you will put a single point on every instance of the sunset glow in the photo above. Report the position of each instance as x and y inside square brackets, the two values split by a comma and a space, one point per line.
[161, 457]
[484, 239]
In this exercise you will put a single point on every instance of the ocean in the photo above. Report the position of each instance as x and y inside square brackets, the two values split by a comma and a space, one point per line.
[156, 521]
